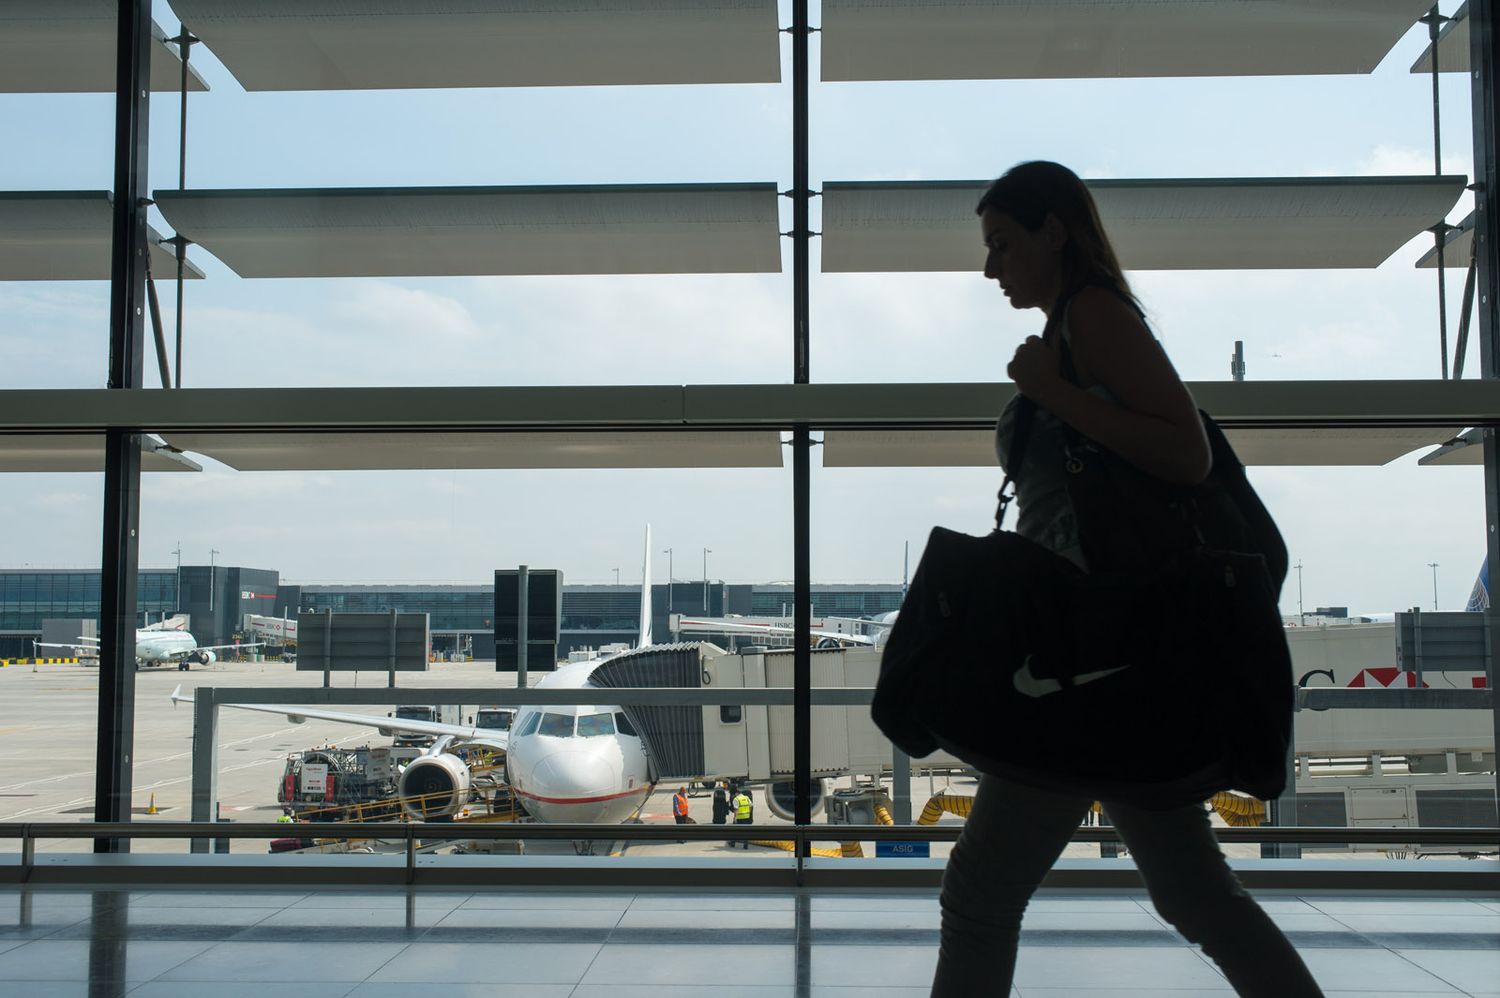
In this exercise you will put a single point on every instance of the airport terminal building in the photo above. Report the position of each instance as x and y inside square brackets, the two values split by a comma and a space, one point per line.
[461, 617]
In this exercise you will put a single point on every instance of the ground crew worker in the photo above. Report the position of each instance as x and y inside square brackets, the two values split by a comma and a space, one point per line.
[680, 808]
[744, 810]
[286, 817]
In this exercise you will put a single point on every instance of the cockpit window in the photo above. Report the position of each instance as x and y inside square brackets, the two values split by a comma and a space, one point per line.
[557, 725]
[595, 724]
[528, 726]
[626, 728]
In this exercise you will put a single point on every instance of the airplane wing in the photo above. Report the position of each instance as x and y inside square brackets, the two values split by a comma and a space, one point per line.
[74, 647]
[192, 651]
[728, 625]
[386, 725]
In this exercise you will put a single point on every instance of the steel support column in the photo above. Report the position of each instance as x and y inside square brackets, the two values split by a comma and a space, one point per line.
[1483, 63]
[122, 445]
[801, 433]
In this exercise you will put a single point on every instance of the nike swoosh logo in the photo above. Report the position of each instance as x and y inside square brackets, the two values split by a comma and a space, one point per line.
[1029, 684]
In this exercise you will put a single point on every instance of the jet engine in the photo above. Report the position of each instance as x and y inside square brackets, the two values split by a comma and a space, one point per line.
[434, 787]
[203, 657]
[781, 798]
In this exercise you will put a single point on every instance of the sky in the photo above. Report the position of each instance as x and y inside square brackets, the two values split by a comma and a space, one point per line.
[1366, 537]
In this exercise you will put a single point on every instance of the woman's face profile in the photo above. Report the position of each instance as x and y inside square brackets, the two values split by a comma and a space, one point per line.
[1023, 263]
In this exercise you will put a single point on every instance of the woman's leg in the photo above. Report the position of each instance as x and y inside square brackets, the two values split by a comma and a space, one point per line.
[1010, 840]
[1194, 889]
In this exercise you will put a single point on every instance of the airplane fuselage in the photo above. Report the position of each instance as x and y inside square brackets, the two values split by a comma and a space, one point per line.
[575, 763]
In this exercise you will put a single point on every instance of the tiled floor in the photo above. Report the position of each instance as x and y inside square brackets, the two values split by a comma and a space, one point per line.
[559, 944]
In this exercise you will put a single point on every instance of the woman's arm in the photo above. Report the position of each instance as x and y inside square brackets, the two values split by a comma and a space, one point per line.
[1154, 424]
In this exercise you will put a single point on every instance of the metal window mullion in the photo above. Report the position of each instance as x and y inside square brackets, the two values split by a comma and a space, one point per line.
[801, 433]
[1483, 62]
[115, 733]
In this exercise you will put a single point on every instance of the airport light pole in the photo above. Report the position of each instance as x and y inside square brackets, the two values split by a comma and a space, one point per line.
[706, 553]
[617, 576]
[1301, 614]
[177, 601]
[211, 580]
[1434, 566]
[668, 553]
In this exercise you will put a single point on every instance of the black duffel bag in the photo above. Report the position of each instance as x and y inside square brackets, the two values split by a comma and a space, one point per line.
[1162, 675]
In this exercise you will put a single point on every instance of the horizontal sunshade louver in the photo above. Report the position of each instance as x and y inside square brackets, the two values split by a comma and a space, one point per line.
[473, 231]
[1074, 39]
[68, 47]
[36, 453]
[65, 236]
[387, 451]
[1193, 224]
[397, 44]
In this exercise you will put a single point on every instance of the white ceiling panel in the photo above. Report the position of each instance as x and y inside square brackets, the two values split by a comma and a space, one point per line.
[65, 236]
[400, 44]
[1075, 39]
[68, 46]
[1212, 224]
[412, 232]
[375, 451]
[958, 448]
[72, 452]
[1452, 45]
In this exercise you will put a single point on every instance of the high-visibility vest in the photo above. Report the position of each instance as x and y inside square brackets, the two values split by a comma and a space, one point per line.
[679, 804]
[741, 807]
[284, 818]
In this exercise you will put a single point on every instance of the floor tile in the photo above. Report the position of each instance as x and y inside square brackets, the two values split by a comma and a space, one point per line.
[285, 962]
[1455, 923]
[712, 902]
[364, 900]
[661, 918]
[1111, 905]
[562, 900]
[452, 989]
[216, 899]
[1468, 970]
[876, 902]
[664, 964]
[256, 989]
[361, 917]
[440, 963]
[1162, 992]
[716, 990]
[870, 967]
[1338, 907]
[68, 960]
[57, 989]
[1369, 970]
[877, 919]
[558, 918]
[1112, 967]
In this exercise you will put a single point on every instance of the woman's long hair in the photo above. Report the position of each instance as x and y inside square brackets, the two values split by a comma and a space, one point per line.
[1028, 192]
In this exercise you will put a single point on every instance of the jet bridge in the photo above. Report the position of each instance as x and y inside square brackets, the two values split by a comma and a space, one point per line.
[754, 742]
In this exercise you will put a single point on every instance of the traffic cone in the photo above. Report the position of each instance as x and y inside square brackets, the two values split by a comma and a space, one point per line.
[151, 808]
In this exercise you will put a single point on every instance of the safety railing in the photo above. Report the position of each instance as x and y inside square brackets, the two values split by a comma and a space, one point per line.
[415, 837]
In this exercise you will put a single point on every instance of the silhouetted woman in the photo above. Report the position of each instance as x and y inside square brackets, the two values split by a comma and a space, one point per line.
[1047, 249]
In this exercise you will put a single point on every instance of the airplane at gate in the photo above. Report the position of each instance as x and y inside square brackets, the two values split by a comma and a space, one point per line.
[154, 646]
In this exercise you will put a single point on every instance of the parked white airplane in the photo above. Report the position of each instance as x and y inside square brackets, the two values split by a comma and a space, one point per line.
[153, 646]
[583, 764]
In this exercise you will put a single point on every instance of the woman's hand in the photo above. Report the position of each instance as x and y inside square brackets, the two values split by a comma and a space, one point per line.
[1034, 368]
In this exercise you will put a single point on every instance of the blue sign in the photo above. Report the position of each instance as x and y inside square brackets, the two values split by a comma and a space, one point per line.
[903, 850]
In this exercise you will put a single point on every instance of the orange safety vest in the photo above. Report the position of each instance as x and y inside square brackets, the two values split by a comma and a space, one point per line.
[679, 804]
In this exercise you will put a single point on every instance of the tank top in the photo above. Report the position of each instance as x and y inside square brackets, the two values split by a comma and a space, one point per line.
[1046, 514]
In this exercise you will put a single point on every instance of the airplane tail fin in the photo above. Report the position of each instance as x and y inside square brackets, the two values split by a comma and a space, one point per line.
[646, 594]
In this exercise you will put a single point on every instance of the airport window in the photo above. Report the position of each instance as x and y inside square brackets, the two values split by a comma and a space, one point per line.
[590, 725]
[556, 725]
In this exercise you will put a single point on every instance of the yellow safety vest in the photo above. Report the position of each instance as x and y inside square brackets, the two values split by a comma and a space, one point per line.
[741, 807]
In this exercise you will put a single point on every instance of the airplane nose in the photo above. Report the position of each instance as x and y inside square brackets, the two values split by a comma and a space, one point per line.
[572, 775]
